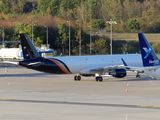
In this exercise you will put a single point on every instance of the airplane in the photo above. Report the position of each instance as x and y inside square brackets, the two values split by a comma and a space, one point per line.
[151, 63]
[96, 66]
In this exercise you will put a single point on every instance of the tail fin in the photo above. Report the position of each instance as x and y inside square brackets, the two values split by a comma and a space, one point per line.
[29, 51]
[149, 56]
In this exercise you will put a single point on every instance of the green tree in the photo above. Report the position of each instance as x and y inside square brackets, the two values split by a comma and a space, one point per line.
[39, 35]
[38, 42]
[156, 47]
[133, 25]
[43, 5]
[38, 32]
[21, 5]
[4, 7]
[70, 4]
[53, 7]
[62, 39]
[19, 28]
[129, 47]
[98, 24]
[100, 46]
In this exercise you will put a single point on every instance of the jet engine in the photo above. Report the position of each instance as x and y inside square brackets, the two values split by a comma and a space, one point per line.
[118, 73]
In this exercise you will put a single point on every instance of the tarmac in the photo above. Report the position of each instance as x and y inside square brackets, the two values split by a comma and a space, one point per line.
[31, 95]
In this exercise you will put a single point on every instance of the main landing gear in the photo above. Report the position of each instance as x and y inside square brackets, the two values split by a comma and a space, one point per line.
[138, 75]
[77, 77]
[99, 79]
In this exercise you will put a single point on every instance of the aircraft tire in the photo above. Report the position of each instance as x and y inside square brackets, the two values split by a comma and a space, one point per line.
[78, 78]
[138, 76]
[99, 79]
[75, 78]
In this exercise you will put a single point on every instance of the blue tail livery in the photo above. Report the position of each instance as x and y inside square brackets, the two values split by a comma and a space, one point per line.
[149, 57]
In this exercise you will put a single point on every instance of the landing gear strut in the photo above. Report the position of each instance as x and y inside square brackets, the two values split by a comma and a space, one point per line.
[77, 78]
[138, 75]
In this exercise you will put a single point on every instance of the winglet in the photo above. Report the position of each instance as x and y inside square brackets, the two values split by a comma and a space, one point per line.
[125, 64]
[149, 56]
[29, 51]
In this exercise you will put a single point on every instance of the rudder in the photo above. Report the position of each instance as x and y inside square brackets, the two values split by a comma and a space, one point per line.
[28, 49]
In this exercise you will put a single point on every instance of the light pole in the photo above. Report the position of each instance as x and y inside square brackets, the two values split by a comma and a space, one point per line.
[69, 38]
[90, 29]
[32, 31]
[47, 36]
[79, 37]
[90, 41]
[3, 35]
[32, 6]
[111, 22]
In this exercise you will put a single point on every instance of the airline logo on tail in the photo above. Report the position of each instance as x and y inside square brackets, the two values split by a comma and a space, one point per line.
[148, 51]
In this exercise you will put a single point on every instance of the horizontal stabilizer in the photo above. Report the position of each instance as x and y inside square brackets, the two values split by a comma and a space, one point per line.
[12, 62]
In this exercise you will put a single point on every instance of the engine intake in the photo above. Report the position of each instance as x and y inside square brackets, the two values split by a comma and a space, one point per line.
[118, 73]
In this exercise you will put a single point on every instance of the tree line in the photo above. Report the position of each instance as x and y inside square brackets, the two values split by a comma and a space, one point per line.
[86, 17]
[131, 15]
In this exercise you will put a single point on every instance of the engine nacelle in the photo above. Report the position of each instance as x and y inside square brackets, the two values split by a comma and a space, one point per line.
[118, 73]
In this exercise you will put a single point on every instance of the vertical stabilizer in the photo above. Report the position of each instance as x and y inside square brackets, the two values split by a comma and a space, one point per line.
[149, 56]
[29, 51]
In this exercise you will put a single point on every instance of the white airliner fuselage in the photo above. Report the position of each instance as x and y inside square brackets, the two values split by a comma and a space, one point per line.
[154, 73]
[83, 64]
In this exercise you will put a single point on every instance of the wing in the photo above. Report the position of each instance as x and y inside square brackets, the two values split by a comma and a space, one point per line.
[100, 70]
[131, 68]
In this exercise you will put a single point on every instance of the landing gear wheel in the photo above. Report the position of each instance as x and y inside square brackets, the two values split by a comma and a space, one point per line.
[77, 78]
[138, 76]
[99, 79]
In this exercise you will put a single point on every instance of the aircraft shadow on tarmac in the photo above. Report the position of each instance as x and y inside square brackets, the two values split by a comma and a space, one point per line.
[143, 78]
